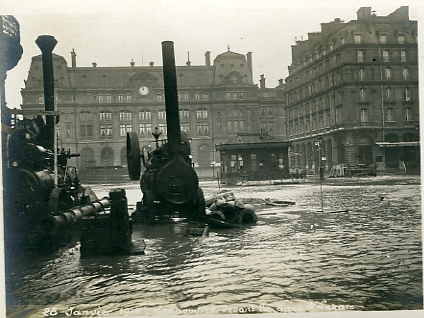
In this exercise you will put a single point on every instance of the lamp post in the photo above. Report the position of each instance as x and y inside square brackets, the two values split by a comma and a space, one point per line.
[156, 134]
[318, 144]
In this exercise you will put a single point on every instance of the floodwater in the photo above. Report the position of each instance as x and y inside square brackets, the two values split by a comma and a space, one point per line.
[295, 259]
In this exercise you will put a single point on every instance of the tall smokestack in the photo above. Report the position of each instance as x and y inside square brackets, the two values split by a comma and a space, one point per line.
[171, 98]
[46, 43]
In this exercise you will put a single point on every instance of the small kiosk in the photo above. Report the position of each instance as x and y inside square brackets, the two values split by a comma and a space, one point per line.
[253, 156]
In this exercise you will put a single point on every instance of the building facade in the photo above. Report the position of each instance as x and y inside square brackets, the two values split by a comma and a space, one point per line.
[354, 85]
[99, 105]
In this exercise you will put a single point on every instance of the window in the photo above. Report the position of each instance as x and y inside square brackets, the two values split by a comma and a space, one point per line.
[105, 116]
[162, 129]
[390, 114]
[389, 94]
[106, 131]
[185, 127]
[360, 56]
[203, 128]
[383, 38]
[219, 126]
[342, 41]
[229, 95]
[263, 110]
[145, 129]
[184, 114]
[405, 73]
[234, 95]
[403, 56]
[85, 116]
[385, 56]
[362, 94]
[124, 128]
[201, 113]
[159, 97]
[197, 96]
[94, 98]
[241, 95]
[358, 38]
[128, 98]
[101, 99]
[270, 110]
[387, 73]
[68, 131]
[86, 132]
[161, 115]
[408, 114]
[145, 115]
[361, 74]
[338, 115]
[125, 115]
[364, 115]
[41, 99]
[185, 97]
[108, 98]
[120, 98]
[407, 94]
[205, 96]
[401, 39]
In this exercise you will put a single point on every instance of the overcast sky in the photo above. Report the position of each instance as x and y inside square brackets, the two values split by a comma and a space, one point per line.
[113, 32]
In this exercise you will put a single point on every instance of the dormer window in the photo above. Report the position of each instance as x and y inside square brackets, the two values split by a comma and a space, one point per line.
[383, 38]
[358, 38]
[401, 38]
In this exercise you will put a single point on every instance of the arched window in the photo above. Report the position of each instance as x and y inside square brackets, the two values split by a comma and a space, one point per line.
[236, 120]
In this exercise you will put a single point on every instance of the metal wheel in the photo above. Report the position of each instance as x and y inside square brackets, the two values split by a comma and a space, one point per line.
[133, 156]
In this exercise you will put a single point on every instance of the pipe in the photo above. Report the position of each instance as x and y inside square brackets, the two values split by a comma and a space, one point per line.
[46, 43]
[171, 98]
[71, 216]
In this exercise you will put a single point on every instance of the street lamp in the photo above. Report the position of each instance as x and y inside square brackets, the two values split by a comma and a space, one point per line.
[318, 144]
[156, 134]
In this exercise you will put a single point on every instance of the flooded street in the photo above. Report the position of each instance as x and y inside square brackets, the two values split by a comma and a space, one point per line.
[295, 259]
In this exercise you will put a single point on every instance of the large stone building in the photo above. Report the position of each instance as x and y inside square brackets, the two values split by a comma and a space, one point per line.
[355, 85]
[99, 105]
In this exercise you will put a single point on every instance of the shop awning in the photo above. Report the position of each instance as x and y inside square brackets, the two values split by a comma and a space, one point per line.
[399, 144]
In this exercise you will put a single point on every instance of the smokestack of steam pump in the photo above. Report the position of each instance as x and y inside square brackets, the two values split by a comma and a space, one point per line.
[46, 43]
[171, 98]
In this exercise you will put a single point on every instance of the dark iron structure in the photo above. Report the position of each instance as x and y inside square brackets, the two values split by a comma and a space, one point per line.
[45, 204]
[169, 184]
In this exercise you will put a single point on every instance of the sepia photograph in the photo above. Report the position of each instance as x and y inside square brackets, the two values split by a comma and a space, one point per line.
[206, 158]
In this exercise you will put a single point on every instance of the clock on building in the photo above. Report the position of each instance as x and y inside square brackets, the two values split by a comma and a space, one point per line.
[144, 90]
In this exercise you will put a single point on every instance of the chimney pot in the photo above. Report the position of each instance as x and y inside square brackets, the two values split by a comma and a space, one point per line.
[152, 63]
[94, 64]
[208, 58]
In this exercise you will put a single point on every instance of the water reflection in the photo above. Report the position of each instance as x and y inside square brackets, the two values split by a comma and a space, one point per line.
[295, 259]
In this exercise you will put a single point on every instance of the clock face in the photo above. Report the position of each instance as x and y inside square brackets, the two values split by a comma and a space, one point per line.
[143, 90]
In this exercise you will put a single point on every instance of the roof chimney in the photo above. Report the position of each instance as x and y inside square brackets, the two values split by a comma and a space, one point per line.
[262, 82]
[281, 81]
[152, 63]
[94, 64]
[74, 58]
[132, 63]
[249, 62]
[208, 58]
[364, 13]
[188, 59]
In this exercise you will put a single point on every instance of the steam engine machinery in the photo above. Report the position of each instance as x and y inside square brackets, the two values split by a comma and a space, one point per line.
[169, 184]
[44, 202]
